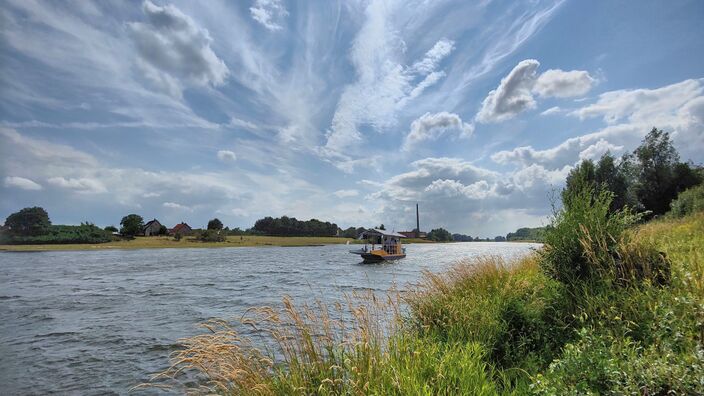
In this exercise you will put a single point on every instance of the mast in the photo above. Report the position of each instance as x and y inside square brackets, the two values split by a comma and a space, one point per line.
[417, 222]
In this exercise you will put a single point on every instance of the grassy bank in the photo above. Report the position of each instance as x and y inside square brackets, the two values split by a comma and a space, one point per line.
[159, 242]
[605, 309]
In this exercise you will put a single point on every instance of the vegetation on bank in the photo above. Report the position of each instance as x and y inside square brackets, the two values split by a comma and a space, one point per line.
[606, 308]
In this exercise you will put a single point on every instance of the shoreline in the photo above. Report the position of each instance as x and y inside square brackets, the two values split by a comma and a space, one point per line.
[186, 243]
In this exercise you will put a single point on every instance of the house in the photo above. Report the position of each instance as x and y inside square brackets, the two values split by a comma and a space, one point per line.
[151, 228]
[414, 234]
[182, 228]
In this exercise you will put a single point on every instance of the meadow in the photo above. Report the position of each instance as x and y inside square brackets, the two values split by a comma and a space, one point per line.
[609, 306]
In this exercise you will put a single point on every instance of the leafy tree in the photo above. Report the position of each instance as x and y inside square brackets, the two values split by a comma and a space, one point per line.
[163, 230]
[660, 175]
[440, 235]
[462, 238]
[132, 224]
[349, 233]
[28, 222]
[606, 175]
[215, 224]
[381, 227]
[110, 228]
[290, 226]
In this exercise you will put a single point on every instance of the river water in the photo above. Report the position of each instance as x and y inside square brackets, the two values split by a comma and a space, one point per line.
[100, 322]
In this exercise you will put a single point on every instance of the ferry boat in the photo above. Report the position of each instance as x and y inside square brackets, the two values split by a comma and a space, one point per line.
[381, 245]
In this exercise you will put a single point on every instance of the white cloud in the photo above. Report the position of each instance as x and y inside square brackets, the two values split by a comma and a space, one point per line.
[515, 92]
[346, 193]
[639, 105]
[80, 184]
[433, 126]
[173, 48]
[596, 150]
[563, 84]
[269, 13]
[176, 206]
[236, 122]
[512, 96]
[676, 108]
[21, 183]
[226, 156]
[551, 111]
[384, 85]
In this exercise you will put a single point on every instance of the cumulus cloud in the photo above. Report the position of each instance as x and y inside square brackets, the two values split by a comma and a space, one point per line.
[269, 13]
[80, 184]
[677, 108]
[21, 183]
[563, 84]
[173, 48]
[515, 92]
[433, 126]
[226, 156]
[346, 193]
[464, 198]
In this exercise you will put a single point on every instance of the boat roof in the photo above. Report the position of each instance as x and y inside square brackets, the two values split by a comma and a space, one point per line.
[376, 231]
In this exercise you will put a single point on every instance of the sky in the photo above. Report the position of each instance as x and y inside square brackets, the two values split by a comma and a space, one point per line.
[350, 112]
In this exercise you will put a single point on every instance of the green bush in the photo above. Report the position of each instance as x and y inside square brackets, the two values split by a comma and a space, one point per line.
[211, 236]
[688, 202]
[62, 234]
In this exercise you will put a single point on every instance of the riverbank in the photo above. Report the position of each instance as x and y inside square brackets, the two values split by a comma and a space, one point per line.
[490, 327]
[163, 242]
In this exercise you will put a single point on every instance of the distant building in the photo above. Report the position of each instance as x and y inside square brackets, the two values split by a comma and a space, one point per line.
[183, 229]
[151, 228]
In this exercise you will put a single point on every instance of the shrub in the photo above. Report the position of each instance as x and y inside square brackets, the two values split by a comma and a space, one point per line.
[588, 242]
[63, 234]
[688, 202]
[178, 236]
[211, 236]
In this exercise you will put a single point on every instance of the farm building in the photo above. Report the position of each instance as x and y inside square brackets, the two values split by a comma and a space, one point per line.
[151, 228]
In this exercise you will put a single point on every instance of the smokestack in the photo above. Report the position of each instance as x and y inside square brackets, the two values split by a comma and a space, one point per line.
[417, 223]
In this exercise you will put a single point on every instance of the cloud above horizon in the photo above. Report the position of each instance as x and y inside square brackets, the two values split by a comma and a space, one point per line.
[342, 111]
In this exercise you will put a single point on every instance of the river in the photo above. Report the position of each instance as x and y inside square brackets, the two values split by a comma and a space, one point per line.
[100, 322]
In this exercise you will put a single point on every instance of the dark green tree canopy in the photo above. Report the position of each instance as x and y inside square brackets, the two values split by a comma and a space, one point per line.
[215, 224]
[132, 224]
[440, 235]
[110, 228]
[28, 222]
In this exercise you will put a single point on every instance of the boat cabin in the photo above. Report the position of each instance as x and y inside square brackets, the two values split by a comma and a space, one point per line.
[381, 245]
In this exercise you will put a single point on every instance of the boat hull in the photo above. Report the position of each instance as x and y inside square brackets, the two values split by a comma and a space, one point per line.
[377, 258]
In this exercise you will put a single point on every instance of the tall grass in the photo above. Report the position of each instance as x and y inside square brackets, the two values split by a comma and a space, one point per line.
[488, 326]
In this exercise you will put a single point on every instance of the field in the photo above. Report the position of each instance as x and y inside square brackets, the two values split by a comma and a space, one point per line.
[163, 242]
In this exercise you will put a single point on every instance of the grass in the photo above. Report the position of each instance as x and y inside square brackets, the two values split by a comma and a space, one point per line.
[161, 242]
[485, 327]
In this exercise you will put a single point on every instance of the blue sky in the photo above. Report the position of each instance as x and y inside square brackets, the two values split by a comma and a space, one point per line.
[343, 111]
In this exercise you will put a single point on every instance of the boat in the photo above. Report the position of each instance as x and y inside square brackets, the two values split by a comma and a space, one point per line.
[380, 245]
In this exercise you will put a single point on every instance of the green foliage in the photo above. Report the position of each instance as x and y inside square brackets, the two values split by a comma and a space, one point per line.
[381, 227]
[62, 234]
[439, 235]
[163, 230]
[215, 224]
[352, 232]
[177, 236]
[110, 229]
[688, 202]
[605, 175]
[211, 236]
[660, 175]
[290, 226]
[28, 222]
[526, 234]
[132, 225]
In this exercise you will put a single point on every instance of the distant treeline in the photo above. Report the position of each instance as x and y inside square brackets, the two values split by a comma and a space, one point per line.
[31, 226]
[290, 226]
[526, 234]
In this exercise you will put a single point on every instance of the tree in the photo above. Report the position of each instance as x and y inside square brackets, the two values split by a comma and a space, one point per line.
[163, 230]
[215, 224]
[132, 224]
[381, 227]
[440, 235]
[660, 175]
[110, 228]
[28, 222]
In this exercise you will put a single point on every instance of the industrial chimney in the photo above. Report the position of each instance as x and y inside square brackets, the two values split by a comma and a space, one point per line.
[417, 223]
